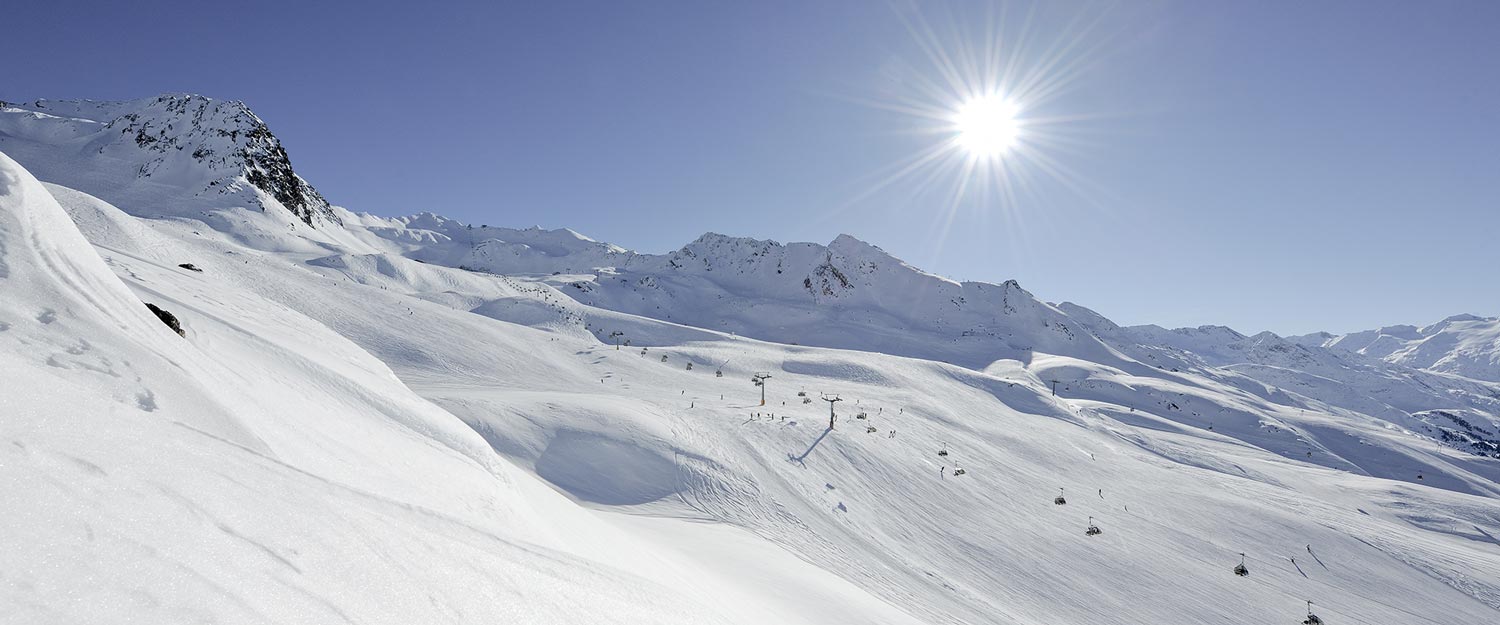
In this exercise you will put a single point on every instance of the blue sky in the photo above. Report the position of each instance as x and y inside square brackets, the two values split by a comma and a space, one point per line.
[1291, 166]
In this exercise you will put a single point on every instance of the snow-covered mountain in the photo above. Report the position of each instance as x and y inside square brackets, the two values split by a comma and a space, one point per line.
[1466, 345]
[212, 151]
[847, 294]
[376, 419]
[1456, 410]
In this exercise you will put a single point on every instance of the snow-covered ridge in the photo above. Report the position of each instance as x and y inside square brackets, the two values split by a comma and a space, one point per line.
[847, 294]
[1467, 345]
[190, 142]
[1432, 401]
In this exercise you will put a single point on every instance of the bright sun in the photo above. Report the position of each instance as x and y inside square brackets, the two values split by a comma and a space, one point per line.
[987, 125]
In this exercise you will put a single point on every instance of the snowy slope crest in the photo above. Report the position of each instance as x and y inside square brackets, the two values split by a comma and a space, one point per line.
[52, 278]
[174, 144]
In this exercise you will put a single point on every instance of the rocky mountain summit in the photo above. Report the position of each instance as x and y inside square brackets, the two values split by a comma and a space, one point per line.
[212, 148]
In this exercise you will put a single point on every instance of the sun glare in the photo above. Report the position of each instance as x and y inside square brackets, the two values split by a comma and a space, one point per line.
[987, 125]
[984, 97]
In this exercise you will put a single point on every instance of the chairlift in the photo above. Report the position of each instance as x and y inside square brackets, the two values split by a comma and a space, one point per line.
[1312, 619]
[807, 400]
[871, 430]
[663, 357]
[861, 416]
[719, 373]
[944, 451]
[1240, 569]
[802, 393]
[958, 472]
[1059, 498]
[1093, 530]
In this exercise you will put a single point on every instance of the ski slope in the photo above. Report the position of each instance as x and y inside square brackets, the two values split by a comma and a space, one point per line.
[263, 469]
[351, 430]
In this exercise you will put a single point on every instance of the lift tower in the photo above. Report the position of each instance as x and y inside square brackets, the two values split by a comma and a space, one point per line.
[759, 379]
[831, 400]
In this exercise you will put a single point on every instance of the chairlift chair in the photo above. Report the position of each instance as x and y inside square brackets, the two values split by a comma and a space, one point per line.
[1240, 569]
[1059, 498]
[861, 416]
[663, 357]
[1093, 530]
[871, 430]
[1312, 619]
[719, 373]
[958, 471]
[802, 393]
[944, 451]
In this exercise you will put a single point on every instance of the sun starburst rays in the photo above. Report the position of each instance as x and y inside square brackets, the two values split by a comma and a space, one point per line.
[983, 100]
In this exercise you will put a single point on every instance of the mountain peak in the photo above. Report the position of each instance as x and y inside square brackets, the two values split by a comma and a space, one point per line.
[847, 240]
[187, 141]
[1466, 317]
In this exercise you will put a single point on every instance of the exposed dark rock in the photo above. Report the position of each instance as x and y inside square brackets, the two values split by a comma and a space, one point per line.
[167, 318]
[190, 267]
[223, 137]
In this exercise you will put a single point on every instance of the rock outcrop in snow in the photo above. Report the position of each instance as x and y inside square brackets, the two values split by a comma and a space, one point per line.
[197, 146]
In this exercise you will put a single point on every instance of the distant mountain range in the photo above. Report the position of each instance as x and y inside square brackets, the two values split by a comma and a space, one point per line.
[180, 154]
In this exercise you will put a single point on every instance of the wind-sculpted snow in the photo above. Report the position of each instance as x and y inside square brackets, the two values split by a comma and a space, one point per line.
[262, 470]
